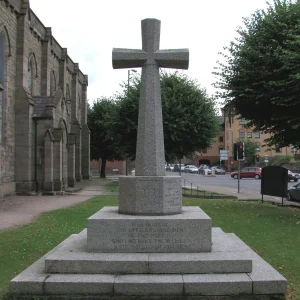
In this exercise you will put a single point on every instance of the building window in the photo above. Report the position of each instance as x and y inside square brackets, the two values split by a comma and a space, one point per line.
[241, 134]
[293, 149]
[68, 95]
[242, 121]
[249, 134]
[258, 148]
[220, 139]
[30, 76]
[52, 83]
[278, 149]
[257, 134]
[79, 102]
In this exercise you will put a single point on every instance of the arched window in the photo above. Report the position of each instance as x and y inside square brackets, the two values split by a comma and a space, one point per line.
[78, 108]
[52, 83]
[68, 95]
[30, 75]
[79, 102]
[2, 79]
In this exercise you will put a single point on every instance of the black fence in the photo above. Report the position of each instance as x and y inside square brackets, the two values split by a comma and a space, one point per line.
[191, 190]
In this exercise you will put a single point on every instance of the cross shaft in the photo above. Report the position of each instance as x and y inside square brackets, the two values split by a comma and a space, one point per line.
[150, 153]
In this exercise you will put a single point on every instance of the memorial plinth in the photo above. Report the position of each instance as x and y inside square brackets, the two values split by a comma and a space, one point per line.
[108, 231]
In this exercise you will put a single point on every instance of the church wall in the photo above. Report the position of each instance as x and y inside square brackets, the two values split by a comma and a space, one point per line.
[7, 147]
[35, 37]
[33, 46]
[53, 62]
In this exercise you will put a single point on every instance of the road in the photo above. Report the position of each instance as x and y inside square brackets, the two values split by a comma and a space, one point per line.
[249, 188]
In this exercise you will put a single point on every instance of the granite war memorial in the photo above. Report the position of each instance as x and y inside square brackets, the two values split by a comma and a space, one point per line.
[150, 247]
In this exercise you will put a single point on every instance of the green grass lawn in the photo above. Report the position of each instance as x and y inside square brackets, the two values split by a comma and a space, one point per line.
[274, 232]
[112, 186]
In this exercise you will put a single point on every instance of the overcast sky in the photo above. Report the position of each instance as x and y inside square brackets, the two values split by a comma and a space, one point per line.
[91, 28]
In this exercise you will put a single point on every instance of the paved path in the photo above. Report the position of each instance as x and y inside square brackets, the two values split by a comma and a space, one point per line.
[17, 210]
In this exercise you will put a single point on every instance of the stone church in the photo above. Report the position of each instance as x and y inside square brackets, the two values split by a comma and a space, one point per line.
[44, 137]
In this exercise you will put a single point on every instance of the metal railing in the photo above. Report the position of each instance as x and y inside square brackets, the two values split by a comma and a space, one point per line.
[190, 189]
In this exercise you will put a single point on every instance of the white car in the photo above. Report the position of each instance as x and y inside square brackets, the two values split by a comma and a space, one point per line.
[190, 169]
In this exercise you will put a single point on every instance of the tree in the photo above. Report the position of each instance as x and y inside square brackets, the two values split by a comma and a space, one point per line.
[250, 150]
[260, 75]
[101, 116]
[189, 118]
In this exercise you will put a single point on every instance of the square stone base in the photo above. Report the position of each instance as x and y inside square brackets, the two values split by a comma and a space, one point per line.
[72, 273]
[150, 195]
[110, 231]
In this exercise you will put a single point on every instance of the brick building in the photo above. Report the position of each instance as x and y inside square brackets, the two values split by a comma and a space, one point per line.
[44, 139]
[231, 130]
[212, 155]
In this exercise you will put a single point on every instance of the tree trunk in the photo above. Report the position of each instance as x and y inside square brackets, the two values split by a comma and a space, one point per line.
[180, 167]
[103, 167]
[99, 166]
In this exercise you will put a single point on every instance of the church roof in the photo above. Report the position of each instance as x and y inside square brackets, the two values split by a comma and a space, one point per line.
[40, 105]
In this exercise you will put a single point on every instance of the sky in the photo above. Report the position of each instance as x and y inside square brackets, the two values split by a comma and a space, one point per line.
[90, 29]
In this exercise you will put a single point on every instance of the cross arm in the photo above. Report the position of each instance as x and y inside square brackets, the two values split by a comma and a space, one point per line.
[128, 58]
[175, 58]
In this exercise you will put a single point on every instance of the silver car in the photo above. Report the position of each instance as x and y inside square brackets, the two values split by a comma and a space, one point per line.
[294, 192]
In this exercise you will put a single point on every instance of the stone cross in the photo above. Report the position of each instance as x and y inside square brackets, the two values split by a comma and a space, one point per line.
[150, 153]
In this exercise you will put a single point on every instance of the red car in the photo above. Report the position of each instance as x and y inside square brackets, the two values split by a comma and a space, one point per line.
[249, 172]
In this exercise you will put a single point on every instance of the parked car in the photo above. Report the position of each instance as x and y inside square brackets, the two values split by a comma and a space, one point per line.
[170, 167]
[294, 192]
[249, 172]
[218, 170]
[293, 176]
[202, 168]
[176, 168]
[190, 169]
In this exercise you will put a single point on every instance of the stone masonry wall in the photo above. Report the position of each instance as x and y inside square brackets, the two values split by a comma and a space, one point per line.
[8, 22]
[48, 56]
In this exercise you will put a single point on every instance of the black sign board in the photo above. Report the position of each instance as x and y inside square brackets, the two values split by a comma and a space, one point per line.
[274, 181]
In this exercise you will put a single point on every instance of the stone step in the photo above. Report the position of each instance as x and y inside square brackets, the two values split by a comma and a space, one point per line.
[227, 256]
[142, 263]
[263, 280]
[74, 285]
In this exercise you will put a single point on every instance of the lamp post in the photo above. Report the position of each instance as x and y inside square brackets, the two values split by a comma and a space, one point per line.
[128, 84]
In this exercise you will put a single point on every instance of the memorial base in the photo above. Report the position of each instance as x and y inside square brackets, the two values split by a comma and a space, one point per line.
[109, 231]
[231, 271]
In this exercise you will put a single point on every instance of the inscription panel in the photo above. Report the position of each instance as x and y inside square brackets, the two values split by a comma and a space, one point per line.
[111, 232]
[144, 235]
